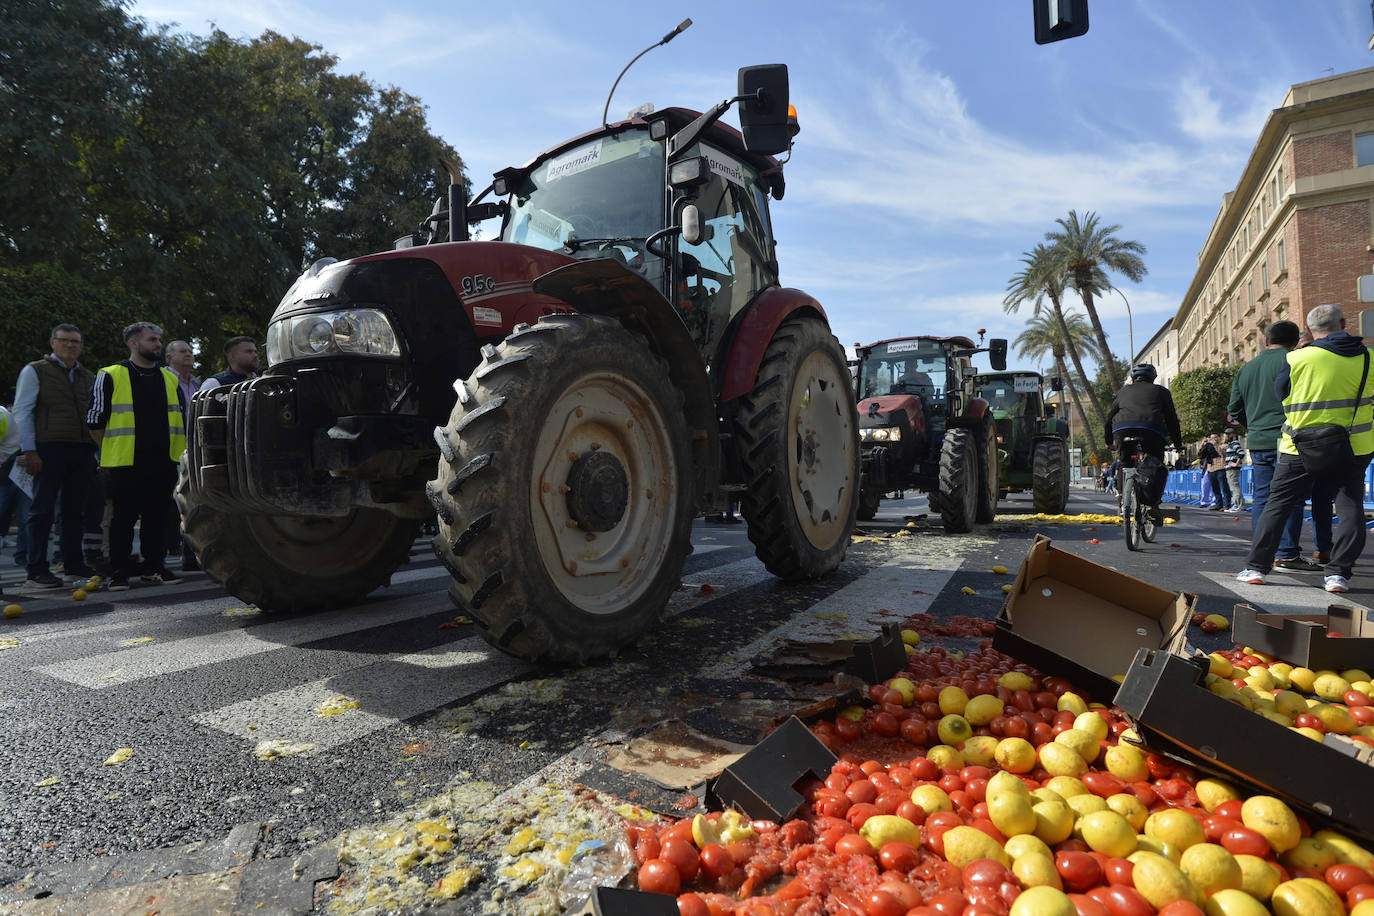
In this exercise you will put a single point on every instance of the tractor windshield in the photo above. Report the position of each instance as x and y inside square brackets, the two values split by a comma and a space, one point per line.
[600, 199]
[916, 367]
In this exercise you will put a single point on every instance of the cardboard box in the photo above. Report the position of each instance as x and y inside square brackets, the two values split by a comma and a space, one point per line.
[1069, 616]
[1301, 639]
[1176, 714]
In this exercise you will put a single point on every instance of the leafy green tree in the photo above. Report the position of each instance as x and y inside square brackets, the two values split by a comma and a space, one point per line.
[1086, 251]
[1200, 395]
[1044, 336]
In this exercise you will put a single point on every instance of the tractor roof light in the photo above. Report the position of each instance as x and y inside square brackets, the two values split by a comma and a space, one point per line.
[793, 127]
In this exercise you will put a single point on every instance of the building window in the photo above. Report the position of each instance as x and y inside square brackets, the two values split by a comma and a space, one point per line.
[1250, 297]
[1283, 262]
[1274, 192]
[1264, 275]
[1166, 349]
[1364, 149]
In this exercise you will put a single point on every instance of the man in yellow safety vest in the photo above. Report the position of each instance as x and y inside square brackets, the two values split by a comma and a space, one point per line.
[1326, 387]
[136, 418]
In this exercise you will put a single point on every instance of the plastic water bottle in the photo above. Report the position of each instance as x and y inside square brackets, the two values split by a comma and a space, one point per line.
[595, 863]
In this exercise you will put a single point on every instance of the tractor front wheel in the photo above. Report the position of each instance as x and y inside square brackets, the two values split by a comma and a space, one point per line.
[799, 446]
[564, 492]
[1050, 476]
[958, 480]
[295, 563]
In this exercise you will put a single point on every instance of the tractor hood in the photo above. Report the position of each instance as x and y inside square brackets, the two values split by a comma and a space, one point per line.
[885, 406]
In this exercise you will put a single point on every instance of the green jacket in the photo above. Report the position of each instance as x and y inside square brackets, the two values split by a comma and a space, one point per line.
[1254, 404]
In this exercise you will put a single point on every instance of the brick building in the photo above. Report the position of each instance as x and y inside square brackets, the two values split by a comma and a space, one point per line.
[1297, 231]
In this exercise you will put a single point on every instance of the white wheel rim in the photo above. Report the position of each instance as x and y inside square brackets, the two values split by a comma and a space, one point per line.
[820, 450]
[604, 572]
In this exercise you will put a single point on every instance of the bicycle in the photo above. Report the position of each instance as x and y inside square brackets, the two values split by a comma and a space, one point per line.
[1137, 519]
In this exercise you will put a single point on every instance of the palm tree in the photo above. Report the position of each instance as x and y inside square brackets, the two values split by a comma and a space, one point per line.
[1086, 252]
[1046, 335]
[1042, 278]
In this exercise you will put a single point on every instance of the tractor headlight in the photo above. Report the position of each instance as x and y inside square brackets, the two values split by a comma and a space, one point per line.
[881, 434]
[362, 332]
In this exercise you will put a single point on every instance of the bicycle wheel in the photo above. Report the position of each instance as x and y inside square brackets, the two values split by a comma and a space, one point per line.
[1128, 510]
[1148, 530]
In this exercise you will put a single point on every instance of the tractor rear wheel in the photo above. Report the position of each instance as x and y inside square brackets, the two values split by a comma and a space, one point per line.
[1050, 476]
[799, 446]
[295, 563]
[564, 491]
[989, 463]
[869, 498]
[958, 480]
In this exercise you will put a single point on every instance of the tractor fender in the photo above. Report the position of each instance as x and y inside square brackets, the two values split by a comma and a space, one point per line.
[972, 415]
[606, 287]
[753, 331]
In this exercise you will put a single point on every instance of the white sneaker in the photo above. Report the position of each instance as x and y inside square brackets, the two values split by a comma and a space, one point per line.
[1250, 577]
[1336, 585]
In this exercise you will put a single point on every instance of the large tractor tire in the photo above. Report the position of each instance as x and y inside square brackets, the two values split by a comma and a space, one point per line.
[1050, 476]
[989, 465]
[958, 480]
[564, 491]
[869, 498]
[295, 563]
[799, 445]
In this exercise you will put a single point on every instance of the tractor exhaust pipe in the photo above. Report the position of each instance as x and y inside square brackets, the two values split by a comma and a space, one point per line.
[457, 202]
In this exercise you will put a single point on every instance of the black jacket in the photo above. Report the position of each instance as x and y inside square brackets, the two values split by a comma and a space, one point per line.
[1144, 405]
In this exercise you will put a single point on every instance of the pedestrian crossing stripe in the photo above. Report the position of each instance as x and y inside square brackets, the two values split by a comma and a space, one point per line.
[1282, 594]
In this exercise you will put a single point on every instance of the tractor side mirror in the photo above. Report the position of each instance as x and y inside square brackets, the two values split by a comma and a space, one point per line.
[1049, 410]
[997, 353]
[763, 110]
[1056, 384]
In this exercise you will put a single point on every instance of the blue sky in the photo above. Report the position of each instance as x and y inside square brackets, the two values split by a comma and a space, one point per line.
[938, 141]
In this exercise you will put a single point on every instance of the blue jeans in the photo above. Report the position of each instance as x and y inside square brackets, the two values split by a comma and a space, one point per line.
[14, 505]
[1290, 543]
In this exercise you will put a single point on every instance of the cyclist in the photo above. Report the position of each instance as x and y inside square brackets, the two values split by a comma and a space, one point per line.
[1144, 411]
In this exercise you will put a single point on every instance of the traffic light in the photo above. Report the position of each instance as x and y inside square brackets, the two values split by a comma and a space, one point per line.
[1059, 19]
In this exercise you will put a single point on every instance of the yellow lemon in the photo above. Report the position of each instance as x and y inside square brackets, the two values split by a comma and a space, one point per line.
[945, 757]
[1071, 702]
[979, 751]
[1026, 844]
[1178, 828]
[12, 610]
[1006, 781]
[903, 686]
[1061, 760]
[953, 700]
[964, 845]
[1129, 807]
[1258, 876]
[1036, 871]
[1212, 792]
[1092, 723]
[954, 729]
[1066, 786]
[887, 828]
[1310, 853]
[1126, 763]
[1306, 897]
[1082, 742]
[1230, 902]
[1108, 833]
[1330, 687]
[982, 709]
[911, 638]
[931, 798]
[1303, 678]
[1016, 680]
[1015, 755]
[1161, 882]
[1211, 867]
[79, 595]
[1054, 821]
[1011, 813]
[1271, 818]
[1043, 901]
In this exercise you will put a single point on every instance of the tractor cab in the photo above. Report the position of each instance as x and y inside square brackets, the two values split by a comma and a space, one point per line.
[1017, 407]
[1032, 444]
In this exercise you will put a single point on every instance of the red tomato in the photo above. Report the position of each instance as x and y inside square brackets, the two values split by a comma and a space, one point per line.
[1229, 809]
[1087, 906]
[1120, 871]
[972, 772]
[1307, 720]
[860, 813]
[950, 903]
[912, 812]
[1041, 733]
[1045, 699]
[913, 729]
[794, 833]
[1023, 700]
[690, 904]
[684, 857]
[1355, 698]
[1146, 793]
[1363, 715]
[988, 827]
[884, 724]
[716, 861]
[659, 876]
[1079, 870]
[1244, 841]
[836, 782]
[1017, 727]
[833, 805]
[905, 893]
[985, 873]
[1358, 894]
[924, 768]
[961, 800]
[1126, 901]
[847, 729]
[889, 802]
[950, 782]
[1064, 717]
[862, 790]
[645, 842]
[880, 903]
[1213, 826]
[898, 856]
[1343, 877]
[1103, 785]
[1159, 767]
[854, 845]
[1180, 908]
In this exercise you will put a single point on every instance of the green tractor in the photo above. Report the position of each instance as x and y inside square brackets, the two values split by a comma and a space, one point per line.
[1032, 443]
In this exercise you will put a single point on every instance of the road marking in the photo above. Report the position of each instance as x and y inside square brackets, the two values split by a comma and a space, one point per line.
[855, 611]
[388, 691]
[1225, 537]
[722, 580]
[109, 669]
[1282, 594]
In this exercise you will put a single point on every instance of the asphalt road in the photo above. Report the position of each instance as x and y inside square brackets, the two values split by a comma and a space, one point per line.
[393, 713]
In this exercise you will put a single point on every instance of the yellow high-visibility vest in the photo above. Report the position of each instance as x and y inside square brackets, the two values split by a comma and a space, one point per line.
[1322, 391]
[117, 446]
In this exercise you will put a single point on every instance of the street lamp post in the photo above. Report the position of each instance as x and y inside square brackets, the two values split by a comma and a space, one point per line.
[1130, 321]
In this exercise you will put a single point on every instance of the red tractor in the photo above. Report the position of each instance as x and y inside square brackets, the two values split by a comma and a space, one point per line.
[922, 427]
[566, 399]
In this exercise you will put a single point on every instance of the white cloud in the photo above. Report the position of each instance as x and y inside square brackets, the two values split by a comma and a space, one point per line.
[1200, 114]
